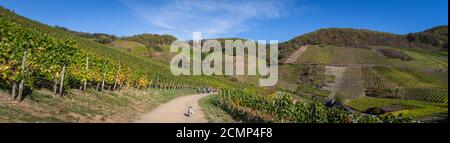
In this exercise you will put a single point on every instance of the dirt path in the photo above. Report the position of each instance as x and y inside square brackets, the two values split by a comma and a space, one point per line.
[174, 111]
[294, 56]
[338, 73]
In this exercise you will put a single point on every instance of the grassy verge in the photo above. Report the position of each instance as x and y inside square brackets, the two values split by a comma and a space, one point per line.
[213, 112]
[413, 108]
[91, 106]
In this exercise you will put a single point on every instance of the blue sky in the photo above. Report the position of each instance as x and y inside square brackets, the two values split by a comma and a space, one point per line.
[253, 19]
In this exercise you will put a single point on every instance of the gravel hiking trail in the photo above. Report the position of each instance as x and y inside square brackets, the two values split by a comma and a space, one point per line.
[174, 111]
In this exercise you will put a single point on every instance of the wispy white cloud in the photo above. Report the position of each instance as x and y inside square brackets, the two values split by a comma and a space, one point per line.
[214, 18]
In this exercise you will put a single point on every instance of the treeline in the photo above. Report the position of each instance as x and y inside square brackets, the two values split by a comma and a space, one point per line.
[154, 41]
[343, 37]
[97, 37]
[438, 37]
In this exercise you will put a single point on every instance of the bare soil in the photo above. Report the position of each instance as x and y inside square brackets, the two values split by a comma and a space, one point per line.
[297, 54]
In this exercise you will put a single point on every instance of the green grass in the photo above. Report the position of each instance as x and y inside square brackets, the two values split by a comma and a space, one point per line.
[140, 50]
[413, 108]
[423, 58]
[318, 55]
[439, 77]
[423, 112]
[131, 46]
[420, 61]
[369, 56]
[341, 56]
[213, 112]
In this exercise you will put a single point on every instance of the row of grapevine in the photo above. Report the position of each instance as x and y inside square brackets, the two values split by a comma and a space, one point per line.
[372, 81]
[424, 94]
[381, 87]
[29, 58]
[280, 107]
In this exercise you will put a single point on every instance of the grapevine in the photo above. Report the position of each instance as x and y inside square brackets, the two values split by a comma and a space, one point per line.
[29, 58]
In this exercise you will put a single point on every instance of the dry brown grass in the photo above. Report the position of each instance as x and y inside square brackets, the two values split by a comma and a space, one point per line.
[89, 107]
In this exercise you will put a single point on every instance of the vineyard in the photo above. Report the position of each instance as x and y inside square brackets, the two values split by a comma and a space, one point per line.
[342, 56]
[246, 105]
[330, 55]
[378, 86]
[424, 94]
[372, 81]
[50, 71]
[32, 59]
[371, 57]
[157, 70]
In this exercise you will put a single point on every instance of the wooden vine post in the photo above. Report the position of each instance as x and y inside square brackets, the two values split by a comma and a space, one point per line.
[61, 85]
[22, 72]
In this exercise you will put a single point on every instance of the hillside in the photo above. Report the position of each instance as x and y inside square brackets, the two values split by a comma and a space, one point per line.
[362, 69]
[157, 69]
[361, 38]
[437, 36]
[152, 40]
[50, 74]
[97, 37]
[161, 54]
